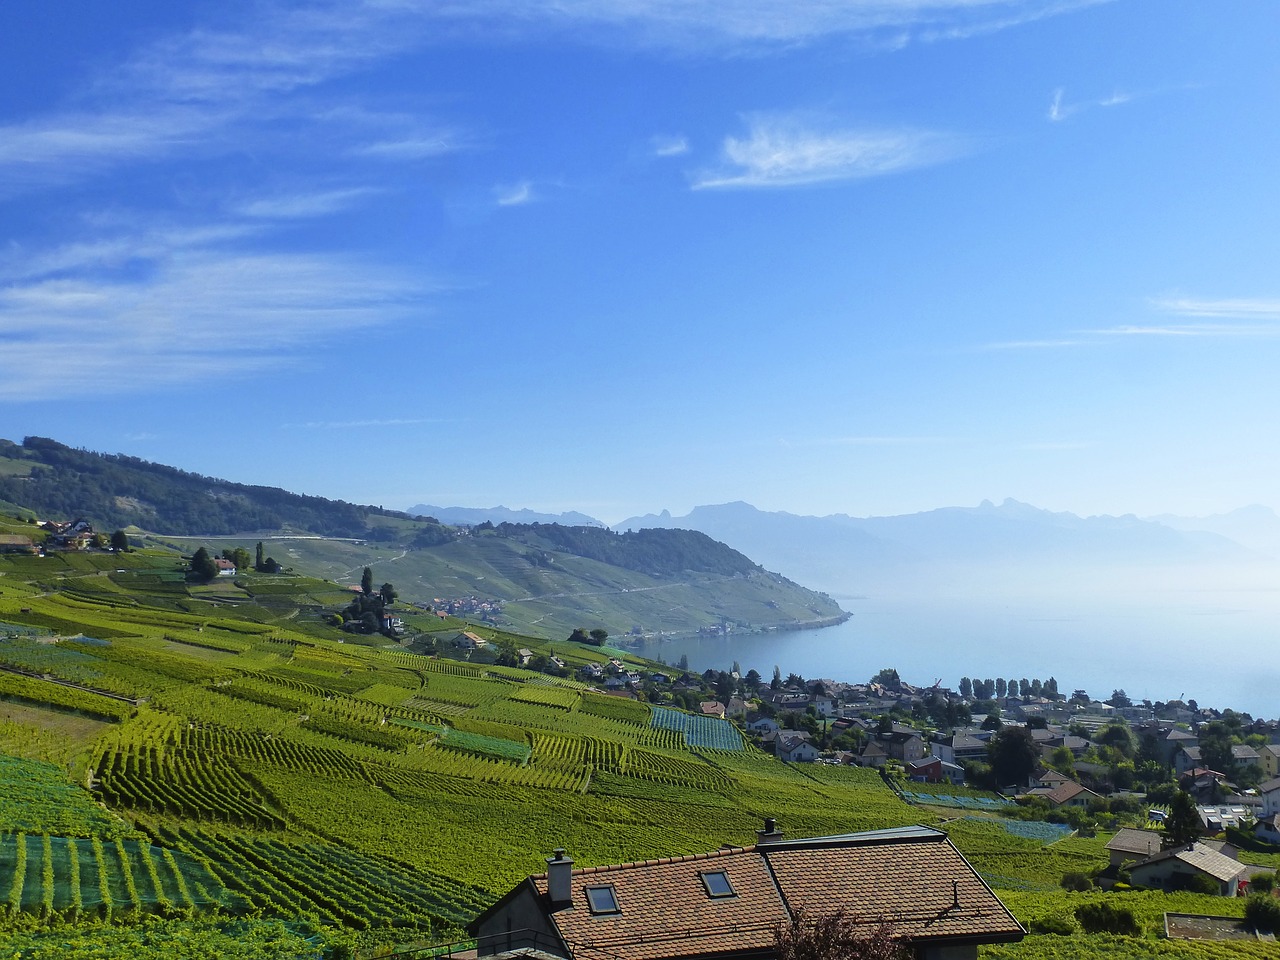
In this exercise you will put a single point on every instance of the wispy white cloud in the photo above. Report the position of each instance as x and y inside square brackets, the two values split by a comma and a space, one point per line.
[1057, 111]
[1188, 319]
[360, 424]
[183, 317]
[979, 19]
[1236, 317]
[410, 148]
[697, 24]
[1190, 330]
[785, 151]
[668, 146]
[514, 195]
[304, 205]
[1060, 108]
[1240, 308]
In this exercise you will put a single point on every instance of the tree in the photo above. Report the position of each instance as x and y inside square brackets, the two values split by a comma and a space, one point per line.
[120, 541]
[1013, 688]
[1063, 760]
[725, 686]
[776, 682]
[366, 582]
[753, 680]
[203, 566]
[388, 594]
[1118, 737]
[1215, 747]
[1182, 825]
[259, 560]
[239, 556]
[836, 936]
[599, 636]
[966, 688]
[684, 662]
[1013, 754]
[1119, 699]
[1002, 688]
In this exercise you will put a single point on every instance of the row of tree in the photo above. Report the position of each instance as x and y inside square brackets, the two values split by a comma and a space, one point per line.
[974, 689]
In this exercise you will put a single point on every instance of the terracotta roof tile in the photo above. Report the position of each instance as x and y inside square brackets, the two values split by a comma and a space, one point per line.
[912, 877]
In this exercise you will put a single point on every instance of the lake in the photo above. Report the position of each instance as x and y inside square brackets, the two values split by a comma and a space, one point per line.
[1182, 637]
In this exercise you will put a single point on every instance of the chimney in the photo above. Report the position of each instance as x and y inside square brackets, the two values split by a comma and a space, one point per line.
[770, 833]
[559, 870]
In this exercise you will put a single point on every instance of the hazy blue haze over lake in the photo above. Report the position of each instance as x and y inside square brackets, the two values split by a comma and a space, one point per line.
[1212, 642]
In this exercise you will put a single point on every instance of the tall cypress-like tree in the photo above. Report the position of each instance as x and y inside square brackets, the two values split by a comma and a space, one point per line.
[366, 582]
[1183, 825]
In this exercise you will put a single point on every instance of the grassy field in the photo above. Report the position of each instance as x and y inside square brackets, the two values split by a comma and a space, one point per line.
[219, 760]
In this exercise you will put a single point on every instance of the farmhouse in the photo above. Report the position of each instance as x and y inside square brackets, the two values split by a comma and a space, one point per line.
[12, 543]
[1129, 844]
[466, 640]
[728, 903]
[1172, 869]
[794, 747]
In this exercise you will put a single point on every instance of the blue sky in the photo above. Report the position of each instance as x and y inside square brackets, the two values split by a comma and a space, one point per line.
[621, 255]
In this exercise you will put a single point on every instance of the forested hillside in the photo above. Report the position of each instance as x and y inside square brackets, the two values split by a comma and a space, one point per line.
[112, 490]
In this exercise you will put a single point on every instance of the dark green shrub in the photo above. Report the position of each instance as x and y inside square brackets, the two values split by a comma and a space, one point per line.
[1055, 924]
[1262, 911]
[1108, 918]
[1195, 883]
[1262, 883]
[1076, 881]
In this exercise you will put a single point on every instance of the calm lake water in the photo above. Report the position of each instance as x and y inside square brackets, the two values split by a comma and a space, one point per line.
[1215, 644]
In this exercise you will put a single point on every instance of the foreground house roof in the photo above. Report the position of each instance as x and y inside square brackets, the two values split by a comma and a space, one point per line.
[728, 903]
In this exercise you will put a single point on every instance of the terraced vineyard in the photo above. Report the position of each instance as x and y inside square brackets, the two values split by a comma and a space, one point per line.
[268, 768]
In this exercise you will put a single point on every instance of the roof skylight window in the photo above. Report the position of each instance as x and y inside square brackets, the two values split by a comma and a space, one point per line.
[602, 900]
[717, 884]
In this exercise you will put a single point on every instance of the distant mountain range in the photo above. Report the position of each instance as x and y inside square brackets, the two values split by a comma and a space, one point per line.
[474, 516]
[843, 553]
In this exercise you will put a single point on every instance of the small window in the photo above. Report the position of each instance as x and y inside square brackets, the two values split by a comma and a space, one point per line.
[717, 884]
[602, 900]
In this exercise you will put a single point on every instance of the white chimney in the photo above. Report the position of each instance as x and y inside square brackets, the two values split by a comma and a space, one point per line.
[559, 871]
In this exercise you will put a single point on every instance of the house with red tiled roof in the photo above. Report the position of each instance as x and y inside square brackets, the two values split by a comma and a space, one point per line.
[1068, 794]
[727, 904]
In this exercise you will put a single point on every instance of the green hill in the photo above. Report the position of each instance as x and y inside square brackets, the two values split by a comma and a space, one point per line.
[548, 579]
